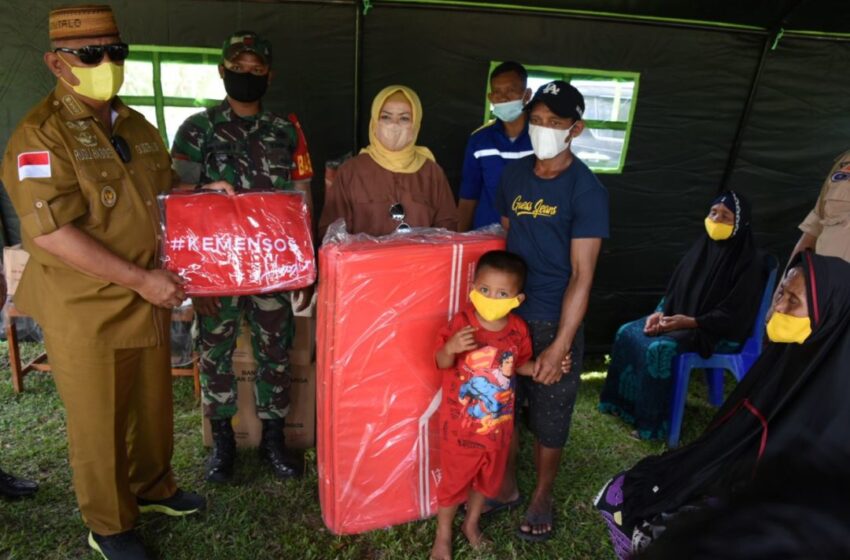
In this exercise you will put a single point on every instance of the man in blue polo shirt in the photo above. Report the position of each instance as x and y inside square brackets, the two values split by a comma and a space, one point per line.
[556, 214]
[494, 145]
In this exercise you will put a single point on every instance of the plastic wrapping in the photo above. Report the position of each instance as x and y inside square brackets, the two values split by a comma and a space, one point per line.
[250, 243]
[381, 302]
[181, 335]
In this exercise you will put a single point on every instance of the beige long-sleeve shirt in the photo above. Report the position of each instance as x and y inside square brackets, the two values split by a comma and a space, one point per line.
[363, 193]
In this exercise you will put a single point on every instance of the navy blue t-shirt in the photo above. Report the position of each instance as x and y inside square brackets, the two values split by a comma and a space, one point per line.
[545, 215]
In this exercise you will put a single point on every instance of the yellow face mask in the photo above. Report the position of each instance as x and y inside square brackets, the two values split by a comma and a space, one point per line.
[718, 231]
[787, 328]
[99, 82]
[492, 309]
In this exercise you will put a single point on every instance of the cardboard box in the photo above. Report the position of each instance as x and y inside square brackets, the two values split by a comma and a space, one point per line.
[302, 353]
[14, 261]
[300, 425]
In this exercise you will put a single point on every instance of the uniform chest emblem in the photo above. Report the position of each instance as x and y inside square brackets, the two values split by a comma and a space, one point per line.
[87, 139]
[78, 126]
[108, 196]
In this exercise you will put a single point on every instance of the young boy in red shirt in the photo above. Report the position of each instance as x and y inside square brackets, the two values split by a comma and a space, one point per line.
[479, 351]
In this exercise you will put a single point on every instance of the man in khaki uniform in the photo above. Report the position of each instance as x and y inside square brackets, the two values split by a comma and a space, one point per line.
[83, 172]
[827, 227]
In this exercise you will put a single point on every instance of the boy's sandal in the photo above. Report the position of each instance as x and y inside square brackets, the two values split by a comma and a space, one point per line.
[495, 506]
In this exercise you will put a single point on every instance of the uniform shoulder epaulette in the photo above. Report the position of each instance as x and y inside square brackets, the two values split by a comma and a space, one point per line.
[205, 118]
[39, 114]
[278, 120]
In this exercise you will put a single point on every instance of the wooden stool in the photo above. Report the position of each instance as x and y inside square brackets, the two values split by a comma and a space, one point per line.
[40, 361]
[18, 372]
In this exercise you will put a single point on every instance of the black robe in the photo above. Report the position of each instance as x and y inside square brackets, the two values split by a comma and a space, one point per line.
[794, 397]
[720, 284]
[796, 507]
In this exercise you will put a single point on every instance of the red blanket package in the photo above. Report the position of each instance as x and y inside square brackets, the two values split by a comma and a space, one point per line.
[381, 303]
[250, 243]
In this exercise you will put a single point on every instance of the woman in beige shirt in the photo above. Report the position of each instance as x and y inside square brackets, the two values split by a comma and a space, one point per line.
[393, 184]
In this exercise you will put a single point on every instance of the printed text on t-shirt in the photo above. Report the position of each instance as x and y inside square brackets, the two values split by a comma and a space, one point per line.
[535, 209]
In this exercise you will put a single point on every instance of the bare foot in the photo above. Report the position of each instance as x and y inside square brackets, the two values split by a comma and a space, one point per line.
[474, 535]
[442, 549]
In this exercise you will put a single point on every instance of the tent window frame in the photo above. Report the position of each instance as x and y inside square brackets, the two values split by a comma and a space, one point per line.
[568, 74]
[157, 55]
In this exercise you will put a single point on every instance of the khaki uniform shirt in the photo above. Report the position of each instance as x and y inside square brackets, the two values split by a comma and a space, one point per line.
[60, 168]
[829, 220]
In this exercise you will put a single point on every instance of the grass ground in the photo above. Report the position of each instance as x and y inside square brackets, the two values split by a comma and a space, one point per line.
[262, 518]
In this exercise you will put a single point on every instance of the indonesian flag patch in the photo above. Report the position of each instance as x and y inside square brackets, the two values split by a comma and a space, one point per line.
[33, 165]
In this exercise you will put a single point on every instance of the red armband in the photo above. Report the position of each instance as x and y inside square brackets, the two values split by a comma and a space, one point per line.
[303, 166]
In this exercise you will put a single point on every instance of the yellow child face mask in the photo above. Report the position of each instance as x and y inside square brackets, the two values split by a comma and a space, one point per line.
[99, 82]
[787, 328]
[718, 231]
[492, 309]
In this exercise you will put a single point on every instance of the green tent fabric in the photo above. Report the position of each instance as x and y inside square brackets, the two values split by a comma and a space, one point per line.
[697, 63]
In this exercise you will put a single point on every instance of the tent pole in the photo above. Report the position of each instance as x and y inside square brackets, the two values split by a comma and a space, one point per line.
[769, 44]
[358, 62]
[612, 18]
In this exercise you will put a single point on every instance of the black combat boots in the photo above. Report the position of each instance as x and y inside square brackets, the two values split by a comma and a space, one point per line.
[220, 462]
[273, 450]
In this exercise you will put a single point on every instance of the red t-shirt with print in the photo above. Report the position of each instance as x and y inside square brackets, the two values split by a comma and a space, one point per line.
[477, 411]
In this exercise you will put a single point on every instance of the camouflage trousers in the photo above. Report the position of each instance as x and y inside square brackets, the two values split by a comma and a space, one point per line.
[269, 319]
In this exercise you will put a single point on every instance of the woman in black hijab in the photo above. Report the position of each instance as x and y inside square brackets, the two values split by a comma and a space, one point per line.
[795, 394]
[710, 305]
[796, 507]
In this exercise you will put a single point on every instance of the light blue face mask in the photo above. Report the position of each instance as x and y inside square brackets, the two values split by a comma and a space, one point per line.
[508, 111]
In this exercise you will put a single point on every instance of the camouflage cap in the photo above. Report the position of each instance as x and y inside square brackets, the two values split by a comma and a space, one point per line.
[246, 41]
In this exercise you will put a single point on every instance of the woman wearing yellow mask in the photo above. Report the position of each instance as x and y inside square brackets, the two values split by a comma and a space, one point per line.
[793, 400]
[393, 184]
[711, 303]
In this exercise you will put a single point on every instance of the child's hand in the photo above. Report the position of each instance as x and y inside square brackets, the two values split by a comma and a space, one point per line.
[461, 341]
[567, 363]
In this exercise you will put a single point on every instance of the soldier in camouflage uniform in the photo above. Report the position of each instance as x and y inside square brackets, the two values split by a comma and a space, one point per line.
[251, 148]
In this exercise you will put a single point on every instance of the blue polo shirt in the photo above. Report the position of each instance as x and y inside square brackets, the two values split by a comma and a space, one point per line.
[487, 152]
[545, 216]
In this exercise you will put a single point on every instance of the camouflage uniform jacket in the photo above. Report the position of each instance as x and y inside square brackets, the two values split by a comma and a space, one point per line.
[265, 151]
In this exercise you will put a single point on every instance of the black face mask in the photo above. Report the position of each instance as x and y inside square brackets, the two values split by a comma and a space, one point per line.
[245, 87]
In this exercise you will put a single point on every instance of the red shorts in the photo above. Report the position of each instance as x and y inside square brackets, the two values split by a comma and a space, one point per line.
[462, 469]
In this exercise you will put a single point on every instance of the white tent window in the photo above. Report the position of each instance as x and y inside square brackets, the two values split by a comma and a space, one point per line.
[168, 84]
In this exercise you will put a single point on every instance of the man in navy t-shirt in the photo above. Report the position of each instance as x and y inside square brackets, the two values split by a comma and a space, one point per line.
[556, 214]
[493, 146]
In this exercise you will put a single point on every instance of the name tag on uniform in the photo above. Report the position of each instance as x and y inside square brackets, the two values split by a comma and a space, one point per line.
[33, 165]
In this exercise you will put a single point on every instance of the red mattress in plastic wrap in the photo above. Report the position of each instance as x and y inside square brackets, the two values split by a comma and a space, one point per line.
[250, 243]
[381, 303]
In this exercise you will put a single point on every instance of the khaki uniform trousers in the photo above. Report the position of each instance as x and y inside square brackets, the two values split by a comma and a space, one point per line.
[119, 413]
